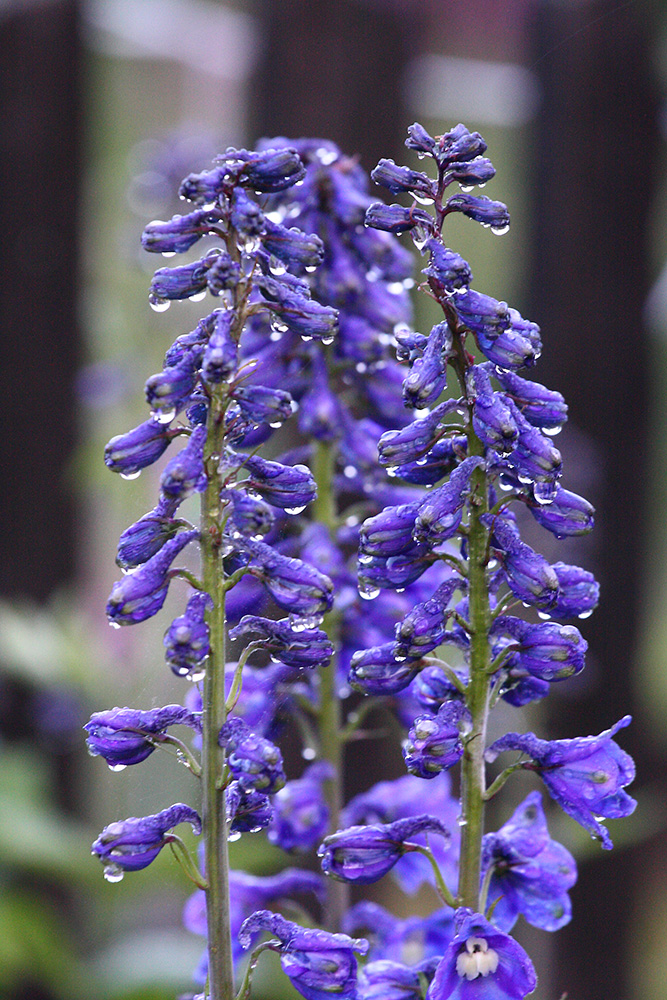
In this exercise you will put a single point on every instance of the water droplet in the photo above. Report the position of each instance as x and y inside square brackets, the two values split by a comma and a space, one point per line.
[422, 199]
[130, 475]
[327, 340]
[197, 297]
[308, 753]
[462, 821]
[349, 472]
[194, 676]
[305, 338]
[295, 510]
[278, 326]
[545, 616]
[365, 558]
[585, 614]
[276, 266]
[233, 836]
[395, 287]
[163, 416]
[276, 423]
[117, 767]
[113, 873]
[551, 431]
[467, 188]
[168, 253]
[360, 367]
[157, 304]
[275, 336]
[368, 592]
[114, 624]
[500, 230]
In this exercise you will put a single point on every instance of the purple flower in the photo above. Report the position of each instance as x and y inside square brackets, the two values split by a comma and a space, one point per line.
[380, 671]
[221, 354]
[294, 585]
[402, 179]
[268, 170]
[388, 533]
[184, 473]
[263, 405]
[401, 940]
[146, 537]
[482, 963]
[301, 815]
[298, 648]
[252, 760]
[170, 390]
[387, 980]
[434, 744]
[250, 517]
[180, 233]
[293, 247]
[567, 514]
[423, 628]
[141, 593]
[481, 209]
[531, 872]
[447, 271]
[528, 574]
[428, 375]
[396, 219]
[540, 406]
[413, 441]
[318, 963]
[545, 650]
[432, 687]
[288, 486]
[182, 282]
[586, 775]
[578, 592]
[186, 641]
[129, 453]
[363, 854]
[459, 144]
[131, 844]
[248, 810]
[492, 418]
[127, 735]
[439, 514]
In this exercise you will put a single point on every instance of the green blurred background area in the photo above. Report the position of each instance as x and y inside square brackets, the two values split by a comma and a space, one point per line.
[106, 105]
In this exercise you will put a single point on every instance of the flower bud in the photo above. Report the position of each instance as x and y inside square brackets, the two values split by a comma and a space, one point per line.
[434, 744]
[186, 641]
[127, 735]
[131, 844]
[401, 179]
[146, 537]
[180, 233]
[297, 648]
[252, 760]
[129, 453]
[141, 593]
[363, 854]
[379, 671]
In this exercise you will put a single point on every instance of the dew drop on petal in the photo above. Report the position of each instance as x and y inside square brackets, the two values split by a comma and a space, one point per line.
[113, 873]
[130, 475]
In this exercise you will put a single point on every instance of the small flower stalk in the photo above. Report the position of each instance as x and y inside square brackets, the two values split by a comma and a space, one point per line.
[370, 564]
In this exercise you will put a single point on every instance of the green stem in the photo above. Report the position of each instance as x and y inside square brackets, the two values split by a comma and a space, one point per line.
[214, 714]
[440, 883]
[473, 776]
[331, 739]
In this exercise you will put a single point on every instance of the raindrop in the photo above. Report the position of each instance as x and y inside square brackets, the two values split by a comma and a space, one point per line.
[305, 338]
[117, 767]
[295, 510]
[308, 753]
[365, 559]
[198, 296]
[275, 336]
[586, 614]
[194, 676]
[551, 431]
[130, 475]
[168, 253]
[113, 873]
[276, 266]
[467, 188]
[349, 472]
[544, 615]
[310, 268]
[368, 592]
[157, 304]
[114, 624]
[233, 836]
[500, 230]
[163, 416]
[327, 340]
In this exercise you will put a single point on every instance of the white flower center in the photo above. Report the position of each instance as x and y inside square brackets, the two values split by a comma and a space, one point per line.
[477, 960]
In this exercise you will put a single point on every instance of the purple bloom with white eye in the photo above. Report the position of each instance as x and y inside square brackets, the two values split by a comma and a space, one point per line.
[380, 671]
[294, 585]
[131, 844]
[220, 358]
[387, 980]
[129, 453]
[428, 375]
[578, 592]
[247, 809]
[286, 486]
[253, 760]
[301, 814]
[186, 641]
[547, 650]
[434, 743]
[586, 775]
[531, 872]
[540, 406]
[142, 592]
[363, 854]
[127, 735]
[423, 628]
[482, 963]
[180, 233]
[184, 473]
[297, 648]
[391, 800]
[439, 514]
[317, 962]
[396, 219]
[146, 537]
[567, 514]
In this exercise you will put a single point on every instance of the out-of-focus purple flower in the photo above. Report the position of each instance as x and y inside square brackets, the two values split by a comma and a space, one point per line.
[129, 453]
[127, 735]
[142, 592]
[318, 963]
[401, 940]
[482, 963]
[363, 854]
[567, 514]
[301, 815]
[434, 743]
[320, 410]
[379, 671]
[432, 687]
[131, 844]
[578, 592]
[384, 979]
[184, 473]
[531, 872]
[169, 390]
[186, 641]
[586, 775]
[298, 648]
[146, 537]
[253, 760]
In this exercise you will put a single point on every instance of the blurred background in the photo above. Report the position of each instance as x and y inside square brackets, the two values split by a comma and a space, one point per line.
[106, 105]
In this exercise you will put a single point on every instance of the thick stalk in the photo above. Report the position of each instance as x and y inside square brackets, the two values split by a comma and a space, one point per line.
[220, 964]
[473, 776]
[332, 743]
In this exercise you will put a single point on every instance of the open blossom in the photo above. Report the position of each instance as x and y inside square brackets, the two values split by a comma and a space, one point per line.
[586, 775]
